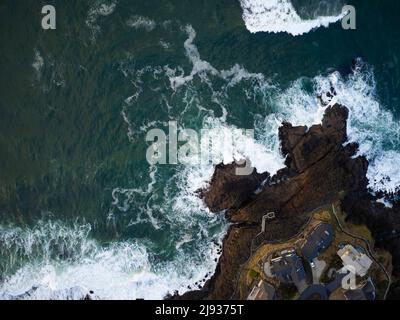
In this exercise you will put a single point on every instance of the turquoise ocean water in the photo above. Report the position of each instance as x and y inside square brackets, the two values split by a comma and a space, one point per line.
[81, 208]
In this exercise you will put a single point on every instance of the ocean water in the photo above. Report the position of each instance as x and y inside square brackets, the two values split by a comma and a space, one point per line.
[80, 207]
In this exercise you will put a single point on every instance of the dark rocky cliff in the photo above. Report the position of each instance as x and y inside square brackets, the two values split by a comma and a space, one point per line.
[320, 169]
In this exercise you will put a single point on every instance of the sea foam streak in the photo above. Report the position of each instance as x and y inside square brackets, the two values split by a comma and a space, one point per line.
[100, 8]
[369, 124]
[373, 128]
[126, 270]
[265, 157]
[368, 121]
[38, 63]
[140, 22]
[117, 271]
[280, 16]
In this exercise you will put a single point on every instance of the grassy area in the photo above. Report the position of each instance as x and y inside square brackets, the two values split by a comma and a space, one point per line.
[340, 238]
[253, 274]
[359, 230]
[253, 269]
[333, 261]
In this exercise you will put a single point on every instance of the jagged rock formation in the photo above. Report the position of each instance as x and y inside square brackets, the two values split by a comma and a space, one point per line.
[228, 190]
[320, 169]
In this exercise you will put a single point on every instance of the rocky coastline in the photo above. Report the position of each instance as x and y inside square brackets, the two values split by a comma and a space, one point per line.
[321, 168]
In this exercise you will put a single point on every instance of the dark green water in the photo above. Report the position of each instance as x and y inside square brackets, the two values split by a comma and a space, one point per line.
[79, 203]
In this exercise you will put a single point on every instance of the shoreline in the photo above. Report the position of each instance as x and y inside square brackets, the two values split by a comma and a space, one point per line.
[320, 168]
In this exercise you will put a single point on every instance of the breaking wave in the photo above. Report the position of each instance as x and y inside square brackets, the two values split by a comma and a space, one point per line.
[65, 263]
[280, 16]
[208, 95]
[369, 124]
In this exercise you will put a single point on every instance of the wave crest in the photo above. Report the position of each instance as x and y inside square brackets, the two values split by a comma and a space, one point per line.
[280, 16]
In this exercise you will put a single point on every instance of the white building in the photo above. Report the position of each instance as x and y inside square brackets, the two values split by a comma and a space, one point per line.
[354, 260]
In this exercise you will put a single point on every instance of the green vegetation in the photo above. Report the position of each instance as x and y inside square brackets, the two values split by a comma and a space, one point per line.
[253, 274]
[329, 255]
[287, 291]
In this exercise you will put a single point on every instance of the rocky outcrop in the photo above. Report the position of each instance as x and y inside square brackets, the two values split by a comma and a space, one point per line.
[320, 169]
[227, 190]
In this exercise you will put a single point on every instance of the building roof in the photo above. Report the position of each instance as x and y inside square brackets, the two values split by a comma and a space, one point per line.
[314, 292]
[359, 261]
[364, 292]
[319, 239]
[369, 290]
[336, 283]
[355, 295]
[262, 291]
[288, 267]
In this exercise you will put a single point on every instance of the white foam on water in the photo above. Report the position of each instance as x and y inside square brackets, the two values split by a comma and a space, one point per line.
[368, 121]
[200, 67]
[140, 22]
[383, 173]
[100, 8]
[183, 210]
[369, 124]
[38, 63]
[128, 196]
[117, 271]
[228, 143]
[203, 69]
[237, 74]
[232, 144]
[125, 270]
[385, 202]
[275, 16]
[164, 44]
[103, 8]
